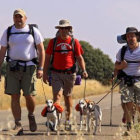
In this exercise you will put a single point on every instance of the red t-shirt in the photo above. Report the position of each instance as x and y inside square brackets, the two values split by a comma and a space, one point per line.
[64, 60]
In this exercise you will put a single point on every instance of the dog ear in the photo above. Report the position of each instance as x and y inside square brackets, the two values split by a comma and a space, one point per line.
[87, 101]
[93, 103]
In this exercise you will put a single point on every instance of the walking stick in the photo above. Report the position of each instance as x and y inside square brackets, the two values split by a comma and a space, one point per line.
[111, 99]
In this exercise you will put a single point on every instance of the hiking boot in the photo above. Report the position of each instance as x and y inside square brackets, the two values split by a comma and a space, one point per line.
[129, 126]
[127, 133]
[18, 129]
[32, 123]
[51, 125]
[67, 125]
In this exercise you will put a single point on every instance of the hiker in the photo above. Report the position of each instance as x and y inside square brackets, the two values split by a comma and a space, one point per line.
[63, 64]
[22, 69]
[128, 68]
[123, 104]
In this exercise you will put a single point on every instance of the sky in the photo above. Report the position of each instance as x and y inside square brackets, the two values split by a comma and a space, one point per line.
[95, 21]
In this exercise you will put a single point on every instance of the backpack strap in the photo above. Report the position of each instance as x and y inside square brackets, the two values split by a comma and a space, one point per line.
[8, 35]
[123, 50]
[54, 45]
[32, 33]
[73, 47]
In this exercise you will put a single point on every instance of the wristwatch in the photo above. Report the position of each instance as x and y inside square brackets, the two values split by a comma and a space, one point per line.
[40, 68]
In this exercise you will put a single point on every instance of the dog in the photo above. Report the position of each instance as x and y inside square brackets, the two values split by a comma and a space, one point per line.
[52, 116]
[94, 116]
[83, 112]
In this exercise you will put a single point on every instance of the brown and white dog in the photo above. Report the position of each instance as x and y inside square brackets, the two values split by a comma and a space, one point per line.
[94, 116]
[52, 115]
[83, 112]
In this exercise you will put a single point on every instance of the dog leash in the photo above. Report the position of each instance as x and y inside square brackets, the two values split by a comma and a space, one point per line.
[85, 89]
[114, 86]
[43, 90]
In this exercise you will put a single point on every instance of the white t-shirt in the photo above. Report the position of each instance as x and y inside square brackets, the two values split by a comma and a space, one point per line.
[22, 45]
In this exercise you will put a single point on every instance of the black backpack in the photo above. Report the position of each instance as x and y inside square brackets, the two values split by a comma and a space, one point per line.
[74, 67]
[121, 73]
[31, 31]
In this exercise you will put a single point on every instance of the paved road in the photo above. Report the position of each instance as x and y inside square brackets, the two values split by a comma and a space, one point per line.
[109, 132]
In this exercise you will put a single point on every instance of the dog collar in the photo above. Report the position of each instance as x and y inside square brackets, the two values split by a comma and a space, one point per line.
[51, 111]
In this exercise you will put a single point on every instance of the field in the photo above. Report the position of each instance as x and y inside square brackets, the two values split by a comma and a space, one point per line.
[44, 91]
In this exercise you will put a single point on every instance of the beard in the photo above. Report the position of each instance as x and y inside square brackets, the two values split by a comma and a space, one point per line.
[131, 42]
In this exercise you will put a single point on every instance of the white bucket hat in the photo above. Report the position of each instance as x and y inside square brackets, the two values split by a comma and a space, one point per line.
[63, 23]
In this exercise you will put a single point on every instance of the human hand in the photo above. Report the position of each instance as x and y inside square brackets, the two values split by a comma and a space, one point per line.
[39, 74]
[123, 64]
[85, 74]
[45, 78]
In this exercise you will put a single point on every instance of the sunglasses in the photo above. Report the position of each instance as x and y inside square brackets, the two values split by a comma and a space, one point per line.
[62, 28]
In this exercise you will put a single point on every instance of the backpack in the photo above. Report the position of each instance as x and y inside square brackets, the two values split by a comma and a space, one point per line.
[31, 31]
[74, 67]
[121, 73]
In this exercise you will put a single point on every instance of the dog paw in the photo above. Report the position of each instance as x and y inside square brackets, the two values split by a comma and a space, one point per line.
[86, 129]
[55, 129]
[48, 134]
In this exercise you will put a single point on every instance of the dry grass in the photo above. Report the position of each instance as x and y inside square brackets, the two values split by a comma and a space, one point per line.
[92, 88]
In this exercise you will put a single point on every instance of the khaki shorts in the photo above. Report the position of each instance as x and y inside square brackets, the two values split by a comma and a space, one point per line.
[63, 82]
[130, 94]
[20, 80]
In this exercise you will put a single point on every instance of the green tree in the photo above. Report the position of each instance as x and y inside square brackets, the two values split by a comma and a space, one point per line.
[46, 41]
[99, 66]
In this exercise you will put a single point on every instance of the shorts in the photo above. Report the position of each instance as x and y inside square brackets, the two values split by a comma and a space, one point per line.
[130, 94]
[63, 82]
[20, 80]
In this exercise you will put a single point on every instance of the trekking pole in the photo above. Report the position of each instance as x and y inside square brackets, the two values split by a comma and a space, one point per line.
[111, 99]
[85, 89]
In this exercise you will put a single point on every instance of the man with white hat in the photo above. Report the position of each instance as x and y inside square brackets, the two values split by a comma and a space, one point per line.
[129, 66]
[22, 68]
[65, 50]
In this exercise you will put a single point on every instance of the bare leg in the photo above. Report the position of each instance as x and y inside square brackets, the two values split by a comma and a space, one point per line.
[68, 105]
[30, 103]
[129, 111]
[15, 106]
[57, 97]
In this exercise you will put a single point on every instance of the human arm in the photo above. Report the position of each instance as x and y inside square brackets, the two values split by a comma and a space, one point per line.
[41, 53]
[82, 65]
[2, 55]
[46, 67]
[120, 65]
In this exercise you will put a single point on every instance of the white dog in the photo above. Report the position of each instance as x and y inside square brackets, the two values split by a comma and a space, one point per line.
[83, 112]
[52, 115]
[95, 116]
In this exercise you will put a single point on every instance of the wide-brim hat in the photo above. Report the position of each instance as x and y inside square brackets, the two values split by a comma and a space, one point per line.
[131, 30]
[63, 23]
[19, 12]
